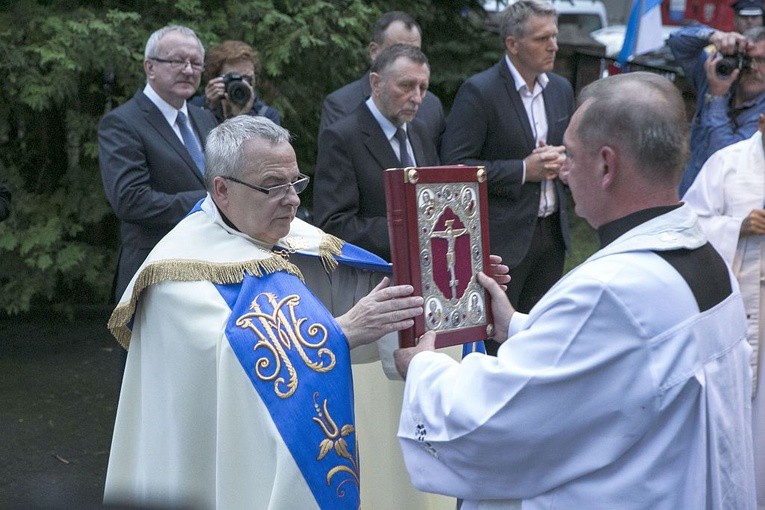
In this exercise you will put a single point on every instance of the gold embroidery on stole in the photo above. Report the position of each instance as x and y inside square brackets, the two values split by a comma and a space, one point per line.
[279, 332]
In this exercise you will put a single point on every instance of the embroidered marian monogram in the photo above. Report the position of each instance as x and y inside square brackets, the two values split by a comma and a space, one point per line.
[282, 331]
[335, 440]
[297, 359]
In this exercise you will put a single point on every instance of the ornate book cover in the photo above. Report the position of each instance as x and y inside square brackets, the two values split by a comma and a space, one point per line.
[438, 227]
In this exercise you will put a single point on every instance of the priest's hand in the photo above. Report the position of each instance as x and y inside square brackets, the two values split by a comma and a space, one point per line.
[754, 223]
[501, 308]
[402, 357]
[385, 309]
[499, 271]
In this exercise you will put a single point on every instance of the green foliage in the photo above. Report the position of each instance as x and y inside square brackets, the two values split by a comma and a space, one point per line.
[584, 239]
[60, 243]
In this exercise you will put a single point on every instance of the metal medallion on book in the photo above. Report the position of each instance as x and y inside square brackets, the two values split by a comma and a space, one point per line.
[437, 219]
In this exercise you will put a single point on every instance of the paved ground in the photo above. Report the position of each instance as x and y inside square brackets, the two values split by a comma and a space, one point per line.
[59, 381]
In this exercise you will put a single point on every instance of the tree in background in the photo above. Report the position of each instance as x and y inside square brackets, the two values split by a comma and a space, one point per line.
[65, 63]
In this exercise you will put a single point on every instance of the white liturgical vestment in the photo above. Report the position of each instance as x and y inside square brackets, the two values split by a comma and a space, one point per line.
[614, 392]
[729, 186]
[194, 427]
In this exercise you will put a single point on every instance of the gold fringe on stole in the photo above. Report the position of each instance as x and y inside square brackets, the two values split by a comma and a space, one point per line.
[190, 271]
[329, 248]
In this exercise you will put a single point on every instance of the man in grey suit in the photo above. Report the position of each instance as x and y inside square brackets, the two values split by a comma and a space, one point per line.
[511, 119]
[349, 200]
[150, 148]
[395, 27]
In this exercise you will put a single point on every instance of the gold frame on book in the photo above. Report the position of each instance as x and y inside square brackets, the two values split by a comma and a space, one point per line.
[438, 227]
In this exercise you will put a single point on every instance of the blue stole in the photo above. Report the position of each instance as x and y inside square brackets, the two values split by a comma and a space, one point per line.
[359, 258]
[297, 359]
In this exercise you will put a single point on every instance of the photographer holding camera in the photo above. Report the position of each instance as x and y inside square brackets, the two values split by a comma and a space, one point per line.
[231, 71]
[729, 81]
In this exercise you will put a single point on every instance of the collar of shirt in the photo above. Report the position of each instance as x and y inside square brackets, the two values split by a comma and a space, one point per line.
[520, 83]
[609, 232]
[387, 126]
[169, 112]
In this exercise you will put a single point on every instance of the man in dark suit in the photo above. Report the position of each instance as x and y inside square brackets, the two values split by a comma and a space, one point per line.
[511, 119]
[150, 148]
[395, 27]
[349, 200]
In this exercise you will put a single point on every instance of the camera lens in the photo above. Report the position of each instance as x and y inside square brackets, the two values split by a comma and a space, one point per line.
[238, 92]
[727, 65]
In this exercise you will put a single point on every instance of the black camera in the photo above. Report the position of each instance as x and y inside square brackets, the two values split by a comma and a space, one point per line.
[730, 63]
[237, 90]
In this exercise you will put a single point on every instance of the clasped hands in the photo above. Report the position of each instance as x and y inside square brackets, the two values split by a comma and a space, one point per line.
[545, 162]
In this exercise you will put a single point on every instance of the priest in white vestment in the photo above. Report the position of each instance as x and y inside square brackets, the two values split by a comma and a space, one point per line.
[628, 385]
[237, 391]
[729, 195]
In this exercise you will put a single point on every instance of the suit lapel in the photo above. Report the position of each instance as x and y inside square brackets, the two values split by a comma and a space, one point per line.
[517, 109]
[375, 141]
[157, 121]
[552, 113]
[198, 123]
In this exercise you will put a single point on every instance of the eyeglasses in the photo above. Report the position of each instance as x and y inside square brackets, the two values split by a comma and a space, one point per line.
[179, 65]
[280, 190]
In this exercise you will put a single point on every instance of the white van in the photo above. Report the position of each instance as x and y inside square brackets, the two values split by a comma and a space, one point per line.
[574, 16]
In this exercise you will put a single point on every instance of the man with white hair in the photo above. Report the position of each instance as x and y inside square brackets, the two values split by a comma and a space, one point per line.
[237, 390]
[150, 149]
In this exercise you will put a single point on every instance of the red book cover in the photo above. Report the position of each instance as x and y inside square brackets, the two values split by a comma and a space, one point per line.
[439, 238]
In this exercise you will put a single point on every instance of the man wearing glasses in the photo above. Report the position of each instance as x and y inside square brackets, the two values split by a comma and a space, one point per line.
[151, 148]
[728, 102]
[237, 390]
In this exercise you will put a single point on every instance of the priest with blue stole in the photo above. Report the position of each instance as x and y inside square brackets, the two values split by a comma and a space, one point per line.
[237, 391]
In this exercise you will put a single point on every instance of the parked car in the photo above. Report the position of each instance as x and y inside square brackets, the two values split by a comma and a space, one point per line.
[574, 16]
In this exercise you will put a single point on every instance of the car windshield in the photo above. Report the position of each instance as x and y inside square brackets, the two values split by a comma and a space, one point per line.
[581, 23]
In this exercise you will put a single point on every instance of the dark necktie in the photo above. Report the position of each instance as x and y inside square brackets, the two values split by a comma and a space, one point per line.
[190, 141]
[401, 137]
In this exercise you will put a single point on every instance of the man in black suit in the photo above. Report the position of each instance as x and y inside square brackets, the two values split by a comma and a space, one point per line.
[511, 119]
[349, 200]
[395, 27]
[150, 148]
